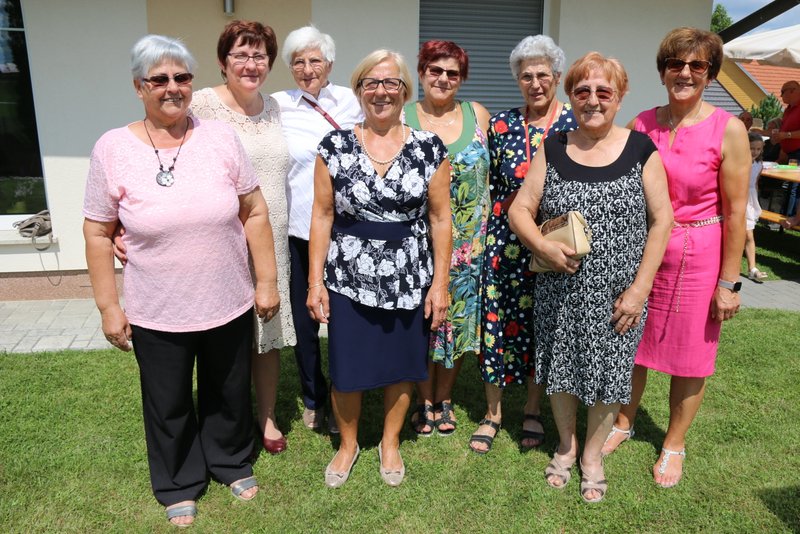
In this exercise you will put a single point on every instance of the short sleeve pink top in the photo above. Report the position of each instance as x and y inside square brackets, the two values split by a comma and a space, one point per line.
[187, 264]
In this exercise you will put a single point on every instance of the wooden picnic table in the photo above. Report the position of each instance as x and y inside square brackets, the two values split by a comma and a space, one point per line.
[787, 175]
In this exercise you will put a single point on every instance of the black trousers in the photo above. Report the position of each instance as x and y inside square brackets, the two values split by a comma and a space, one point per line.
[306, 352]
[184, 446]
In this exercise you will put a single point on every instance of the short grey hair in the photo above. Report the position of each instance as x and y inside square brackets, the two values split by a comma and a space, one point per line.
[152, 50]
[305, 38]
[534, 47]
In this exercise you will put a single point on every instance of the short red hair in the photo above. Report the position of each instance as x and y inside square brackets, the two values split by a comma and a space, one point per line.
[610, 67]
[432, 50]
[252, 34]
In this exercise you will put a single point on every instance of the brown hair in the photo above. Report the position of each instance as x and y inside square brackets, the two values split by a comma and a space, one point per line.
[610, 67]
[683, 41]
[252, 34]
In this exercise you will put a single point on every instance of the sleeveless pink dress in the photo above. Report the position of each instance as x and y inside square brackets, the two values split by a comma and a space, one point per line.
[680, 337]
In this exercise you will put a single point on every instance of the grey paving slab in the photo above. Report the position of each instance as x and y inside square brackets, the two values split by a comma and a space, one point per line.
[53, 343]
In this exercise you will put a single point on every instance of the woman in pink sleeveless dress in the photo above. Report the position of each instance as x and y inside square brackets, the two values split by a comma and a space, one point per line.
[705, 154]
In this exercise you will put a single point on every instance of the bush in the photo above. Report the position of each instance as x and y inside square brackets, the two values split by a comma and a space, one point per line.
[769, 108]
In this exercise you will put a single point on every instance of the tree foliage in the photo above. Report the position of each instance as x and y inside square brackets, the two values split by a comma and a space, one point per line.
[769, 108]
[720, 19]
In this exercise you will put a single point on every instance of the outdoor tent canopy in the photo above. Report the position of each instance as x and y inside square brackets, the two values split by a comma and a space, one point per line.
[779, 47]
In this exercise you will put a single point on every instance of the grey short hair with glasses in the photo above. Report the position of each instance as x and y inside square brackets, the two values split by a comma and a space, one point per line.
[305, 38]
[152, 50]
[534, 47]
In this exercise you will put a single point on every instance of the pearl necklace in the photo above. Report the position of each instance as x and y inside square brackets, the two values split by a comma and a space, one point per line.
[433, 122]
[374, 159]
[165, 178]
[672, 126]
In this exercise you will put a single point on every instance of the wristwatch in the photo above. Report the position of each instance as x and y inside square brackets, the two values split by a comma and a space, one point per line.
[733, 286]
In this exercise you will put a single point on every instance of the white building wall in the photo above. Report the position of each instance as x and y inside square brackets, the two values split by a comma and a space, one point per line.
[629, 30]
[79, 55]
[361, 26]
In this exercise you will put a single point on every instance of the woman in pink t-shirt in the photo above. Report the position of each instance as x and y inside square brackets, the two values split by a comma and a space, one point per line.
[189, 200]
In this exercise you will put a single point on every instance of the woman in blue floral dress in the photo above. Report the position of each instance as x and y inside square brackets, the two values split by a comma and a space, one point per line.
[442, 67]
[507, 284]
[378, 257]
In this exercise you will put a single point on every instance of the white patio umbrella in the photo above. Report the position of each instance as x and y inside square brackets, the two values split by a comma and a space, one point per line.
[779, 47]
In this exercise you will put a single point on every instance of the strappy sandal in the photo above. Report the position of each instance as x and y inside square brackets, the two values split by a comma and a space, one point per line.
[424, 417]
[662, 468]
[187, 510]
[530, 434]
[486, 439]
[557, 469]
[600, 486]
[446, 418]
[614, 430]
[240, 486]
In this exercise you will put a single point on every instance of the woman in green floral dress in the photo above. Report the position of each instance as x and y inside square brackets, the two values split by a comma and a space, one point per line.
[442, 67]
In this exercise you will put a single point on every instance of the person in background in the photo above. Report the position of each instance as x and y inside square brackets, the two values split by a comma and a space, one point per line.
[705, 153]
[189, 199]
[378, 258]
[507, 284]
[443, 66]
[309, 111]
[788, 135]
[747, 119]
[246, 51]
[753, 209]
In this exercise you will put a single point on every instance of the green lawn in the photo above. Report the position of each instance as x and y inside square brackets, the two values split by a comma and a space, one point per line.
[72, 457]
[777, 253]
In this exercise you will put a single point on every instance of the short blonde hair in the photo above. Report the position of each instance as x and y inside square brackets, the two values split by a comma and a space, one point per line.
[611, 68]
[375, 58]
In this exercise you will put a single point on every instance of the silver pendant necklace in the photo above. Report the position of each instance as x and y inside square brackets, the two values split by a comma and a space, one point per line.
[166, 178]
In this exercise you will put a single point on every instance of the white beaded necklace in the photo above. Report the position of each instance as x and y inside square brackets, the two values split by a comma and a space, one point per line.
[374, 159]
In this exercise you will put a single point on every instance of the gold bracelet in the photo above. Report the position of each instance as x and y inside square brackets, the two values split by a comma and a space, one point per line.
[315, 285]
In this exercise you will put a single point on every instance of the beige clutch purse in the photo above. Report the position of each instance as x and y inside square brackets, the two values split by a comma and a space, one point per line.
[570, 229]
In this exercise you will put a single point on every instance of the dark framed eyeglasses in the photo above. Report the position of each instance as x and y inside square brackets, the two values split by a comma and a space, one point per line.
[240, 58]
[436, 72]
[160, 80]
[392, 85]
[697, 66]
[584, 93]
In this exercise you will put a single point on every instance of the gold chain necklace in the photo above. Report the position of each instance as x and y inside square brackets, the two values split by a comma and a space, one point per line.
[674, 128]
[373, 158]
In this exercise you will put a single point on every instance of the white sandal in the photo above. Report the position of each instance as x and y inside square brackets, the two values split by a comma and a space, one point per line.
[662, 468]
[756, 275]
[628, 435]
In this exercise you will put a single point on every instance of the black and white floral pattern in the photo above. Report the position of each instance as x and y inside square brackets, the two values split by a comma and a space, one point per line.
[577, 349]
[379, 273]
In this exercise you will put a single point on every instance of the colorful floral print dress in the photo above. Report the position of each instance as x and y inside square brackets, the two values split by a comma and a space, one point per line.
[507, 304]
[469, 208]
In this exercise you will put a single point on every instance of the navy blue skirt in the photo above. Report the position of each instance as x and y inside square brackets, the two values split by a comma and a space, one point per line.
[372, 347]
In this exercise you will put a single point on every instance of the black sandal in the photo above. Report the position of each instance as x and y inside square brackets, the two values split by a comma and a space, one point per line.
[446, 419]
[424, 417]
[484, 438]
[530, 434]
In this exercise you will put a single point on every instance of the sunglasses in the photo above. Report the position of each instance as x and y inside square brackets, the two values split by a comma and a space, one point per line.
[160, 80]
[584, 93]
[697, 66]
[436, 72]
[392, 85]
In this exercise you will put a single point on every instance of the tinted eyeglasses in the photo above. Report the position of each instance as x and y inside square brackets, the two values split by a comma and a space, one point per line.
[543, 78]
[436, 72]
[697, 66]
[392, 85]
[583, 93]
[160, 80]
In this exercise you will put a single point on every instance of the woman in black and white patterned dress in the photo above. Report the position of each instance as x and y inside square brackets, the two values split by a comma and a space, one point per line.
[590, 313]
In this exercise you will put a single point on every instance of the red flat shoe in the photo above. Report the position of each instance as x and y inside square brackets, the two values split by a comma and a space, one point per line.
[275, 446]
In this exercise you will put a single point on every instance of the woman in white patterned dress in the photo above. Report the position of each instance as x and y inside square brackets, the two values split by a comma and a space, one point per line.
[245, 52]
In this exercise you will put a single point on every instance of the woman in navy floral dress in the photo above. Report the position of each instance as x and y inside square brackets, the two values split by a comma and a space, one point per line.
[507, 284]
[378, 258]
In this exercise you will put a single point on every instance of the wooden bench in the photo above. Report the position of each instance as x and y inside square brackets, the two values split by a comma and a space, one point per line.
[771, 216]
